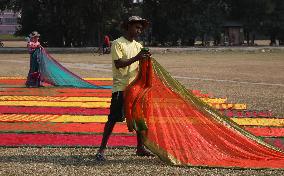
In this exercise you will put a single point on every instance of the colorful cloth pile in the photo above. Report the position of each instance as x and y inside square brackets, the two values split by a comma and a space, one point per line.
[184, 130]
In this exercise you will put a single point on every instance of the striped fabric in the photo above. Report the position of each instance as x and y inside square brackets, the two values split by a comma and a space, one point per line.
[53, 116]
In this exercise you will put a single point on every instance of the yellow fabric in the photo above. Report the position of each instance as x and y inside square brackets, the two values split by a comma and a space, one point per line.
[228, 106]
[214, 100]
[52, 99]
[270, 122]
[123, 49]
[52, 118]
[86, 119]
[56, 104]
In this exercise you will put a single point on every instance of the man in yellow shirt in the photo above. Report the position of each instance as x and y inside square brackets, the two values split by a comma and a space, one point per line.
[126, 53]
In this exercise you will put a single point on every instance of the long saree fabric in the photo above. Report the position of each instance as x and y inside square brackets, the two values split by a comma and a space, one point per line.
[56, 74]
[183, 130]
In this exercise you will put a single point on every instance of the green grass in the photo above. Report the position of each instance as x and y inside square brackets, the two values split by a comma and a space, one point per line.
[11, 37]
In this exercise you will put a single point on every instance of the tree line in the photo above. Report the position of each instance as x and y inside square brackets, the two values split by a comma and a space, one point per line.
[84, 23]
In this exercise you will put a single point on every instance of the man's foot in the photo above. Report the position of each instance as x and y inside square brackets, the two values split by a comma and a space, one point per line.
[100, 157]
[144, 152]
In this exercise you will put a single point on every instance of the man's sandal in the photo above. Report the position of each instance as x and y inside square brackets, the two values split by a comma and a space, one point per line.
[144, 153]
[100, 157]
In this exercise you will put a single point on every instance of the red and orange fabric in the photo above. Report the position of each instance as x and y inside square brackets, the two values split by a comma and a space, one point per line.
[183, 130]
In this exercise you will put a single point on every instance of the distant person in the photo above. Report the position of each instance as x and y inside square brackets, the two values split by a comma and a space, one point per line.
[33, 79]
[106, 45]
[126, 53]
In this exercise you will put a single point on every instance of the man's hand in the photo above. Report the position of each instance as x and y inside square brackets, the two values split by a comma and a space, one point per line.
[123, 63]
[142, 55]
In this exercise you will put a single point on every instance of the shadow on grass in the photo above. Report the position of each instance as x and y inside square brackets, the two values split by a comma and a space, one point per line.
[130, 162]
[81, 160]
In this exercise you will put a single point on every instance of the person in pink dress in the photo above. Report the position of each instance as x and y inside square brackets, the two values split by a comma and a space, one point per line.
[106, 45]
[33, 78]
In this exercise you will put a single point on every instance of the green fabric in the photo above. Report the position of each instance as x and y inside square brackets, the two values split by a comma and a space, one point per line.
[54, 73]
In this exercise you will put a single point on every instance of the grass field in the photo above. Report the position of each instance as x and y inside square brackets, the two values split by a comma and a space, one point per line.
[10, 37]
[256, 79]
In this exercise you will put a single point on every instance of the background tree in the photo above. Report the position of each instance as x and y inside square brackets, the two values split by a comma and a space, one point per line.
[179, 22]
[185, 19]
[273, 22]
[68, 22]
[251, 14]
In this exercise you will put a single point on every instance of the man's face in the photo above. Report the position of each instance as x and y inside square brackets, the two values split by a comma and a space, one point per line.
[135, 29]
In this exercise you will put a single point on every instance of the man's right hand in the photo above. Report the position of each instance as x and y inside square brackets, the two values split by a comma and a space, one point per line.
[123, 63]
[143, 55]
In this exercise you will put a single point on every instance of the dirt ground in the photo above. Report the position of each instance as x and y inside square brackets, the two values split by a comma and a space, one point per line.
[14, 43]
[254, 78]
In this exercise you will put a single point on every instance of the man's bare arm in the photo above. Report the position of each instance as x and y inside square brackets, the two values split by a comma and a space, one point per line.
[124, 63]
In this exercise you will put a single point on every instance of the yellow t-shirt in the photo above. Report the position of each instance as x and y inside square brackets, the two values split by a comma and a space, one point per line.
[123, 49]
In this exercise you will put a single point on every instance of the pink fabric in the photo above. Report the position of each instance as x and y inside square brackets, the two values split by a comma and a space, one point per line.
[106, 40]
[14, 139]
[32, 46]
